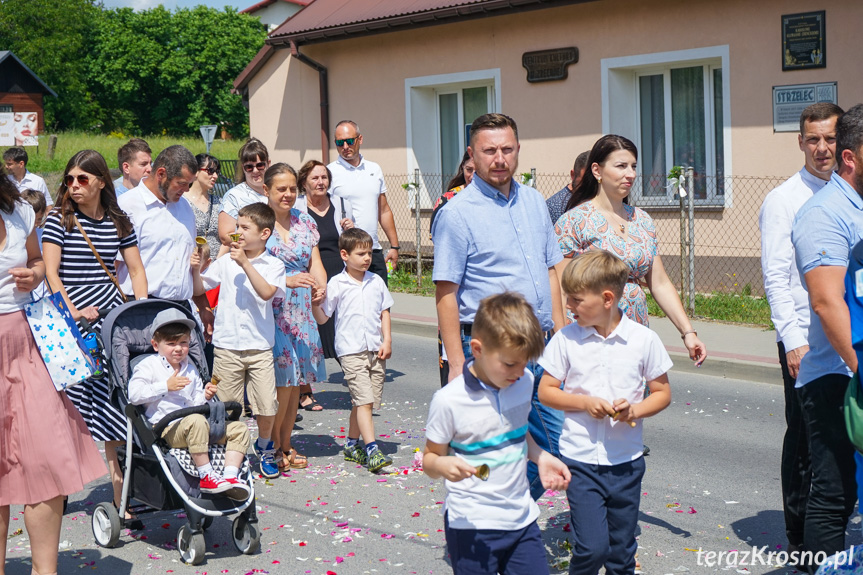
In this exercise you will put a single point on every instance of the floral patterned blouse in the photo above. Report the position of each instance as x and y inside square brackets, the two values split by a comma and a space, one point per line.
[584, 227]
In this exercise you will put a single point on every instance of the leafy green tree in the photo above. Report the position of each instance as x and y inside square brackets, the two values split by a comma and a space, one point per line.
[52, 37]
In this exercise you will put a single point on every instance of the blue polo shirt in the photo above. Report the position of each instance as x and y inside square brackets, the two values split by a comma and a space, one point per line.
[826, 228]
[488, 243]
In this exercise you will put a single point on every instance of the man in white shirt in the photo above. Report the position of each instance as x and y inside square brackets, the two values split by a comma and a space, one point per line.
[789, 302]
[361, 182]
[165, 228]
[134, 159]
[16, 167]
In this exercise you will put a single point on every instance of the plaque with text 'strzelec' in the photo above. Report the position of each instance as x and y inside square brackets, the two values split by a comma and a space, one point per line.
[547, 65]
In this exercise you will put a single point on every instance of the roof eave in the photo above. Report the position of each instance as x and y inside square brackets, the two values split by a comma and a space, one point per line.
[29, 71]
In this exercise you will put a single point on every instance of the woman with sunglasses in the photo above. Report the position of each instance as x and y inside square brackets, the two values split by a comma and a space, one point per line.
[205, 205]
[253, 162]
[87, 213]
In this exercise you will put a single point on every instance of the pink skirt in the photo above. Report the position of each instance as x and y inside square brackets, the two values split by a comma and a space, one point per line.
[45, 447]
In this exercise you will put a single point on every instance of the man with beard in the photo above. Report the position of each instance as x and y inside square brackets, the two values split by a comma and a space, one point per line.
[165, 227]
[824, 231]
[495, 236]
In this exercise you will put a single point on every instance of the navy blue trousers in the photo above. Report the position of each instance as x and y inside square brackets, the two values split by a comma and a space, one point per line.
[492, 551]
[603, 507]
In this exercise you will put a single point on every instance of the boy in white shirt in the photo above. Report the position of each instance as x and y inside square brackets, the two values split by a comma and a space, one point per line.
[603, 360]
[244, 330]
[169, 381]
[480, 418]
[361, 302]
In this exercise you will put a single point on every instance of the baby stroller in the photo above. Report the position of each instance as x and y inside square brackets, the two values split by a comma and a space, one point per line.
[161, 478]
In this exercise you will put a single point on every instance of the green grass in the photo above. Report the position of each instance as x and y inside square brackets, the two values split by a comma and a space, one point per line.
[404, 280]
[69, 143]
[730, 307]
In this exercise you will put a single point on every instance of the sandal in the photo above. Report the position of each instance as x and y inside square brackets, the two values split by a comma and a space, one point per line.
[296, 461]
[310, 406]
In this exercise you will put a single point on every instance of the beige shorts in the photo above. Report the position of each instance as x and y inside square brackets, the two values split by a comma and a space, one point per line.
[364, 373]
[193, 433]
[250, 370]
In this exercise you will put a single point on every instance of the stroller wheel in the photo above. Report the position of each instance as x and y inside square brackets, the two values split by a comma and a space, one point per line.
[106, 525]
[246, 536]
[190, 545]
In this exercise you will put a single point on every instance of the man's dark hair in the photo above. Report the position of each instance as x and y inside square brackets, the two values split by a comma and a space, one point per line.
[262, 215]
[492, 122]
[355, 238]
[849, 131]
[128, 151]
[174, 159]
[580, 162]
[818, 112]
[16, 155]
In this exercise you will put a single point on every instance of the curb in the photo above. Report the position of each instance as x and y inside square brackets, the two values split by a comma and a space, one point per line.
[728, 368]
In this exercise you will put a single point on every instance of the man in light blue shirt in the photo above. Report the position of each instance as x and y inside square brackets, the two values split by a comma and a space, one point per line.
[494, 236]
[135, 161]
[824, 231]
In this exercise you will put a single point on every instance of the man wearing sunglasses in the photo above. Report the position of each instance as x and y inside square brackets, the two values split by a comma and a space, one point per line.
[361, 182]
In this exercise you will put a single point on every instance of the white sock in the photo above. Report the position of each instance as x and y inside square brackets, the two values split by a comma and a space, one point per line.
[205, 470]
[230, 472]
[263, 442]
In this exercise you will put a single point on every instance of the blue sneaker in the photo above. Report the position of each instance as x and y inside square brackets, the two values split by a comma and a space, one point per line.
[267, 460]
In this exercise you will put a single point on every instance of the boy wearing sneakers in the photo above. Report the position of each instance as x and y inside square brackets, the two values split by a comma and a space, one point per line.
[167, 382]
[479, 419]
[361, 302]
[244, 330]
[602, 361]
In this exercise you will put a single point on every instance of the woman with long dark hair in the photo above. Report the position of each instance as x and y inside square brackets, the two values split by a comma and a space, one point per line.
[87, 221]
[599, 216]
[205, 205]
[46, 452]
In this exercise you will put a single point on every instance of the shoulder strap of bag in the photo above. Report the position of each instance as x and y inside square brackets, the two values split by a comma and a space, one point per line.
[99, 258]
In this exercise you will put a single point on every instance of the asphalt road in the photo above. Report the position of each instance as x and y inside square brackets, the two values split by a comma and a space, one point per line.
[712, 483]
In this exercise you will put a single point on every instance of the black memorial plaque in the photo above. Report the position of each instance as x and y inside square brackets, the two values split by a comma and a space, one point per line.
[548, 65]
[804, 41]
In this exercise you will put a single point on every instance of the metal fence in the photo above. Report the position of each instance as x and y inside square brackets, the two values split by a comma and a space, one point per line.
[726, 241]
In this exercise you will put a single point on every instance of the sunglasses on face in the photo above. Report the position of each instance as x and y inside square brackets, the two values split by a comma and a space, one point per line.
[250, 167]
[212, 171]
[83, 179]
[348, 141]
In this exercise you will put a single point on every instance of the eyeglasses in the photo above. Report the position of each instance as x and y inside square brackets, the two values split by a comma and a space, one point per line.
[348, 141]
[250, 167]
[83, 179]
[212, 171]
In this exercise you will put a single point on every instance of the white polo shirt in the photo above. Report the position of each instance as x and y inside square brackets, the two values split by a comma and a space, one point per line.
[149, 386]
[166, 240]
[485, 425]
[244, 321]
[362, 186]
[611, 368]
[33, 182]
[240, 196]
[358, 308]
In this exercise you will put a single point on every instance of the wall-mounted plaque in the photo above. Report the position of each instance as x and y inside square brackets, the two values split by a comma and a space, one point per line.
[547, 65]
[804, 41]
[790, 101]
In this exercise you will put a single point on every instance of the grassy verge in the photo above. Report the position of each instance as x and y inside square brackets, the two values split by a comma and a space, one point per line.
[404, 280]
[69, 143]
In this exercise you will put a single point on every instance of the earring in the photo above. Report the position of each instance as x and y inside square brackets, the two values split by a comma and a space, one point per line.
[599, 180]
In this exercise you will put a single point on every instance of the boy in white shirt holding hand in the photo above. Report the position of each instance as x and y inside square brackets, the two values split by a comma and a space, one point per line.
[244, 330]
[603, 360]
[361, 302]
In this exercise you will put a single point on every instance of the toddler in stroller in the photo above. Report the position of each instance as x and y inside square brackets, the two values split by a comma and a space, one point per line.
[175, 455]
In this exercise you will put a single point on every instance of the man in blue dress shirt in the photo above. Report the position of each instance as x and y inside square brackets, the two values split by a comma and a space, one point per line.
[824, 231]
[494, 236]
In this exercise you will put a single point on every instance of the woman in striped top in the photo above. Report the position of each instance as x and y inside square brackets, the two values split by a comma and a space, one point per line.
[86, 197]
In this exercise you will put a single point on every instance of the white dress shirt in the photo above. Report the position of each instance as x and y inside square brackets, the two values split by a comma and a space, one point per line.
[33, 182]
[789, 302]
[244, 321]
[359, 307]
[362, 185]
[149, 386]
[166, 240]
[19, 225]
[611, 368]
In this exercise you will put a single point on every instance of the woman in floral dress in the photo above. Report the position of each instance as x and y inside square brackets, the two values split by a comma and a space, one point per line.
[299, 357]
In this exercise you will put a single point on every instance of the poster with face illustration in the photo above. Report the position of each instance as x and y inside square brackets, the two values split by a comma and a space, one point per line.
[6, 121]
[25, 128]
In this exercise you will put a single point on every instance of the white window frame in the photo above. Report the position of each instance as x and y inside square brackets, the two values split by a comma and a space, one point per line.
[422, 121]
[620, 103]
